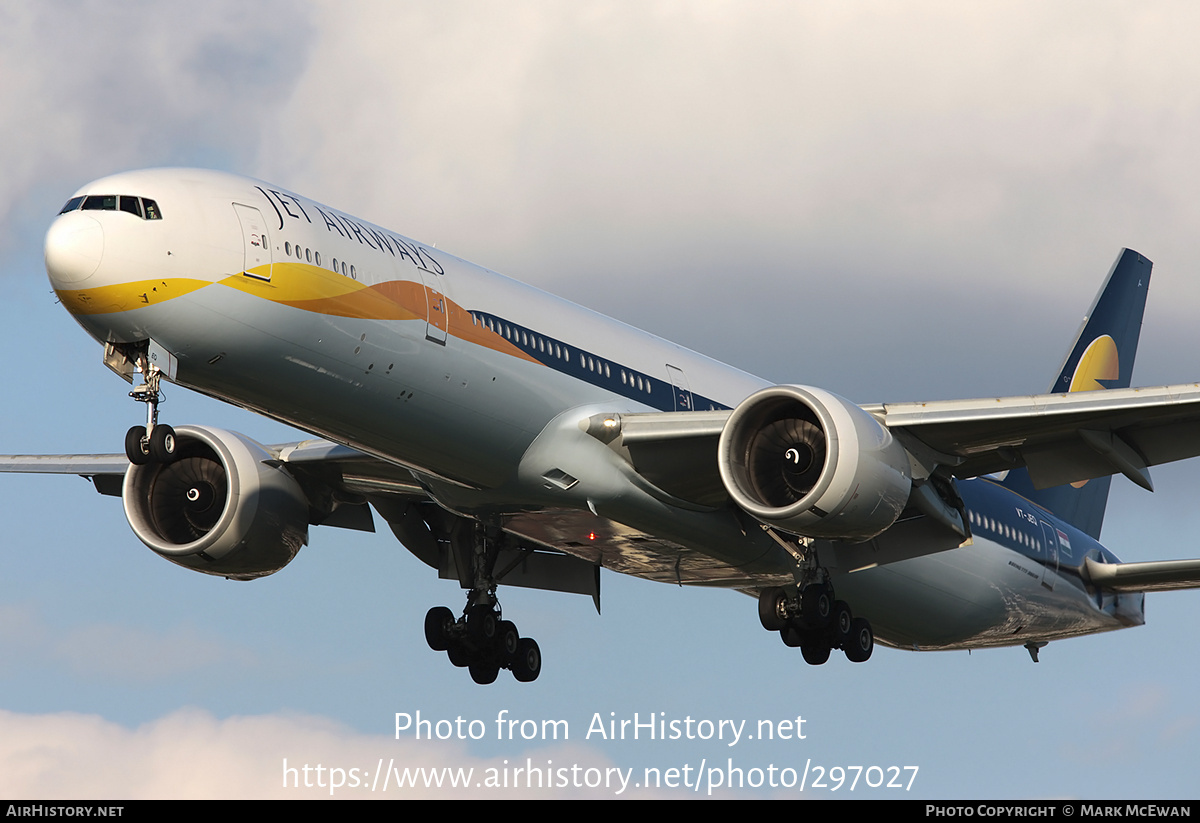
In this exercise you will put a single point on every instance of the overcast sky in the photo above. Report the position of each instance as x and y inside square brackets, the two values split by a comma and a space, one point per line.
[892, 201]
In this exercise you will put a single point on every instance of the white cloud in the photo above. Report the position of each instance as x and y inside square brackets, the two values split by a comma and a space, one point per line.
[803, 126]
[190, 754]
[90, 88]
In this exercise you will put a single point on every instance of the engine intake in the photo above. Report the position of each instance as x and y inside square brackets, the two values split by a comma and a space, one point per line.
[219, 507]
[813, 464]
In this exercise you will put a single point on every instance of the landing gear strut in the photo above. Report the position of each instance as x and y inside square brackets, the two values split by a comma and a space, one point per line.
[811, 619]
[153, 442]
[481, 640]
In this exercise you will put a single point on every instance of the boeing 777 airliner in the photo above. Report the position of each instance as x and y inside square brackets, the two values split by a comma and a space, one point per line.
[509, 437]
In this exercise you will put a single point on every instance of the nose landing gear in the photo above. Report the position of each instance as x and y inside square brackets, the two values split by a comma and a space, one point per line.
[153, 442]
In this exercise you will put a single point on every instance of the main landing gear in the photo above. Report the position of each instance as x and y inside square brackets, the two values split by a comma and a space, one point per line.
[812, 620]
[481, 640]
[153, 442]
[483, 643]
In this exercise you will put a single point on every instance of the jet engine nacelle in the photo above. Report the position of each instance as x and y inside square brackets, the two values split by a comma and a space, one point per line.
[219, 507]
[813, 464]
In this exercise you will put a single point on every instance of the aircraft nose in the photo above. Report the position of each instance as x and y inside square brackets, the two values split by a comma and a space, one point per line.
[74, 247]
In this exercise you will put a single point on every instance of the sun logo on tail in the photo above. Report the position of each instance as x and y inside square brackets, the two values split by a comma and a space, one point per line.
[1099, 362]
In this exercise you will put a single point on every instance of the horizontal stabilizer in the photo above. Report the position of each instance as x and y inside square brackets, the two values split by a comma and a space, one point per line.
[1153, 576]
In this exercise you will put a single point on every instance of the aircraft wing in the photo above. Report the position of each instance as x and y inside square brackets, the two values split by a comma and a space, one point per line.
[104, 470]
[342, 484]
[1060, 438]
[325, 464]
[85, 465]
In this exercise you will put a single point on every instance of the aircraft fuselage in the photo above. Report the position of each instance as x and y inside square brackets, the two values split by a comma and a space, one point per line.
[299, 312]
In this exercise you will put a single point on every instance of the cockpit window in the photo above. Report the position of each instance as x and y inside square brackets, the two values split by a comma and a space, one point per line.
[131, 205]
[100, 202]
[140, 206]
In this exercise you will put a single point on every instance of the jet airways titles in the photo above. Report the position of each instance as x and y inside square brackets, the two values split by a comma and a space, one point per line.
[348, 227]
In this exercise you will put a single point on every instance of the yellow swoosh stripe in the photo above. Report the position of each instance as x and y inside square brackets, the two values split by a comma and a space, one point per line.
[304, 287]
[127, 296]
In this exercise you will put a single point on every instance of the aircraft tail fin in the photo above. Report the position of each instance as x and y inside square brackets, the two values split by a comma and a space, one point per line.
[1100, 358]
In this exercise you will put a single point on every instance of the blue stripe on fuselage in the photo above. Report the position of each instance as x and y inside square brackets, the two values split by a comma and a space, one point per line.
[1022, 526]
[599, 371]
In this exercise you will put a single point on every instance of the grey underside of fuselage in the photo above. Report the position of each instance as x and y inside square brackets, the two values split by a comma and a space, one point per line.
[969, 597]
